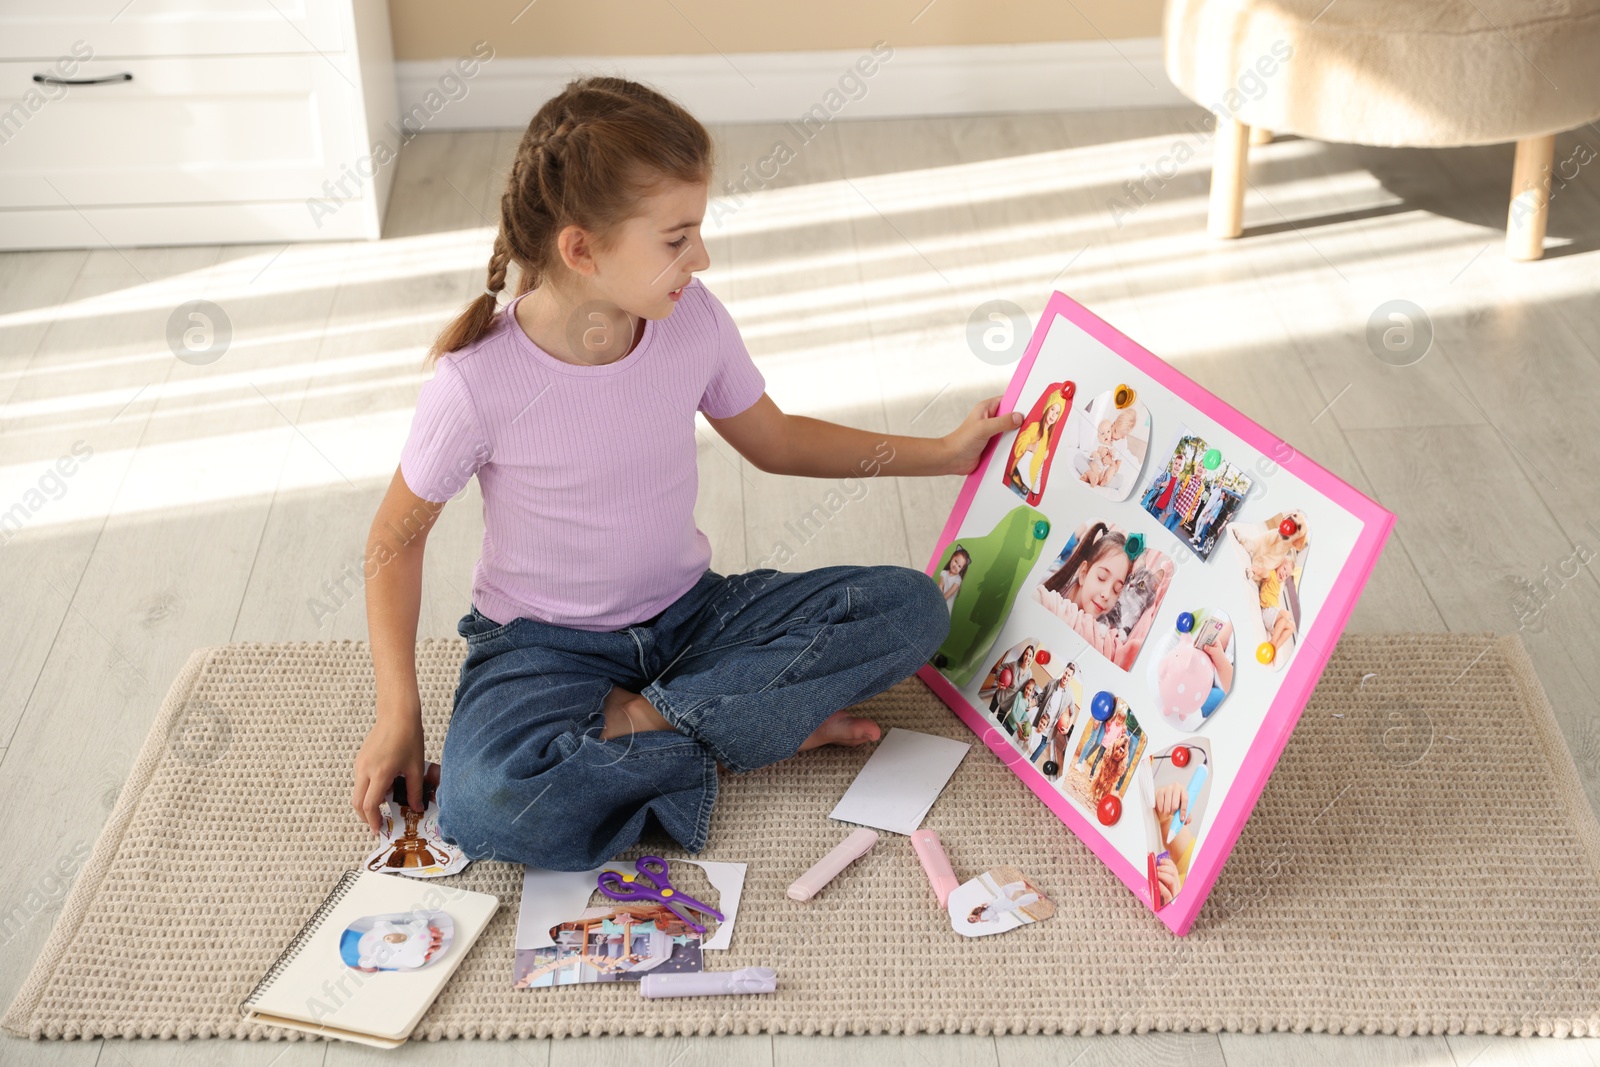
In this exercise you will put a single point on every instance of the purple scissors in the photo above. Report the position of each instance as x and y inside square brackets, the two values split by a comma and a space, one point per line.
[651, 883]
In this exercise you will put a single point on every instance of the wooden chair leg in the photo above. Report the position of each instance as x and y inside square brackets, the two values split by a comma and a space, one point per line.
[1260, 135]
[1530, 198]
[1226, 218]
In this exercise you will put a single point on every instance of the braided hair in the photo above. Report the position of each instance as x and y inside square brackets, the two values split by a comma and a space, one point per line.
[587, 157]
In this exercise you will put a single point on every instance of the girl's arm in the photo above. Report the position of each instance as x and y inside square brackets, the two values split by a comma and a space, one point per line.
[393, 569]
[779, 443]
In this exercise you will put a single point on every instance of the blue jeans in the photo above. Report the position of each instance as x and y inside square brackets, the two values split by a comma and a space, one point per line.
[744, 667]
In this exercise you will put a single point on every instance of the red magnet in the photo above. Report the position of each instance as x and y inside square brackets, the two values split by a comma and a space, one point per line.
[1043, 657]
[1109, 809]
[1180, 756]
[1287, 528]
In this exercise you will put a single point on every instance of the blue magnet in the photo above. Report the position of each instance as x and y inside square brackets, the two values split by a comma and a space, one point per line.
[1185, 622]
[1102, 706]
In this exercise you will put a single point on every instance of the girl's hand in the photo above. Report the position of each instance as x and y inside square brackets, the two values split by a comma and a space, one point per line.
[393, 749]
[966, 442]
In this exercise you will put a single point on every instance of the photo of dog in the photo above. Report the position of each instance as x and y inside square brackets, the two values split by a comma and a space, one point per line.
[1274, 556]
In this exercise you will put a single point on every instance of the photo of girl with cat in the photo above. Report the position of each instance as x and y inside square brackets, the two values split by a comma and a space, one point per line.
[1107, 585]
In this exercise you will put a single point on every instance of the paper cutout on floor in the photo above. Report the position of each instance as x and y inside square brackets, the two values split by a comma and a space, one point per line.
[611, 944]
[900, 781]
[996, 901]
[410, 840]
[553, 897]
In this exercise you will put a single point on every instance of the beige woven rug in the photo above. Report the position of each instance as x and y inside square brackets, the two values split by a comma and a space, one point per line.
[1422, 861]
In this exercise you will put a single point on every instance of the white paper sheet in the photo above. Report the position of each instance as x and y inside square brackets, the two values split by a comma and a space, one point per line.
[551, 897]
[901, 781]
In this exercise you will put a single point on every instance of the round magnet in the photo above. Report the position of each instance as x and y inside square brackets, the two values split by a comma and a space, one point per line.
[1266, 652]
[1042, 657]
[1052, 768]
[1124, 396]
[1109, 810]
[1102, 706]
[1288, 529]
[1041, 530]
[1212, 459]
[1185, 622]
[1180, 756]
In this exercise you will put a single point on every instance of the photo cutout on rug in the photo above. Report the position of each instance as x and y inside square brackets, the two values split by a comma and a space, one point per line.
[997, 564]
[1174, 788]
[1191, 667]
[409, 842]
[400, 941]
[611, 943]
[996, 901]
[1108, 750]
[1274, 554]
[1196, 493]
[1034, 447]
[1026, 689]
[1106, 585]
[1108, 441]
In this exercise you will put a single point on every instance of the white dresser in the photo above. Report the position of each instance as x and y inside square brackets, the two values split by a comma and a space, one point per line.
[161, 122]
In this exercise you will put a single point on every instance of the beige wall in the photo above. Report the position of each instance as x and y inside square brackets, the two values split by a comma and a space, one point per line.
[431, 29]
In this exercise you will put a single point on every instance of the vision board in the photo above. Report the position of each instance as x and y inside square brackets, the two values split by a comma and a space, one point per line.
[1144, 586]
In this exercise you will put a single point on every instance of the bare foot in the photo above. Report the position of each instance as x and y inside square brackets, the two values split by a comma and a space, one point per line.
[842, 729]
[627, 712]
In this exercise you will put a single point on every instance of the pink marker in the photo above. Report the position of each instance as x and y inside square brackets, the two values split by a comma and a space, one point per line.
[936, 863]
[849, 850]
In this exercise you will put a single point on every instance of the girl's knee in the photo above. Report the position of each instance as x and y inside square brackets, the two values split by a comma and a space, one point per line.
[919, 602]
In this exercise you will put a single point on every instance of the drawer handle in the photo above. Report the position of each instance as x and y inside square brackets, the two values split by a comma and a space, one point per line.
[51, 79]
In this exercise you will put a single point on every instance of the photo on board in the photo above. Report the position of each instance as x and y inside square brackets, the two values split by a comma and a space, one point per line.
[1032, 453]
[1177, 786]
[981, 576]
[1191, 667]
[1106, 585]
[1108, 441]
[1112, 743]
[1033, 698]
[1274, 554]
[1196, 493]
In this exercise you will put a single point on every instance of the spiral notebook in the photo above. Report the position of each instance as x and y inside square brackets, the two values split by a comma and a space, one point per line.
[371, 959]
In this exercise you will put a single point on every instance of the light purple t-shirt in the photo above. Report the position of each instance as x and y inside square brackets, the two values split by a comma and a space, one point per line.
[588, 473]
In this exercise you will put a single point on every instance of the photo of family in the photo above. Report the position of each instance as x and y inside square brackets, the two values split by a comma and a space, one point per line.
[1037, 708]
[1196, 494]
[1178, 781]
[1107, 753]
[1034, 447]
[1107, 585]
[1109, 440]
[1191, 667]
[1274, 553]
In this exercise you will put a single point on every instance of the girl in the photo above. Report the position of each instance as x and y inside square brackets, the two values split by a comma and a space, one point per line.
[1035, 443]
[609, 672]
[950, 579]
[1087, 584]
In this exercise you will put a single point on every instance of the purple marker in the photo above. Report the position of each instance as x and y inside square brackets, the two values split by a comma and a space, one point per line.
[710, 983]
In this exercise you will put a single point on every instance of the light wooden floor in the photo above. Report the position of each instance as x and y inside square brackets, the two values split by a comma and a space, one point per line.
[220, 500]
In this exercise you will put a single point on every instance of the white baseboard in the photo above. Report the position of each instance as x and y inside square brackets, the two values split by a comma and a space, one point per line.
[780, 86]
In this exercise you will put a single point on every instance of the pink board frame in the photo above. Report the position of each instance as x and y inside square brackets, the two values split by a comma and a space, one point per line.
[1302, 674]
